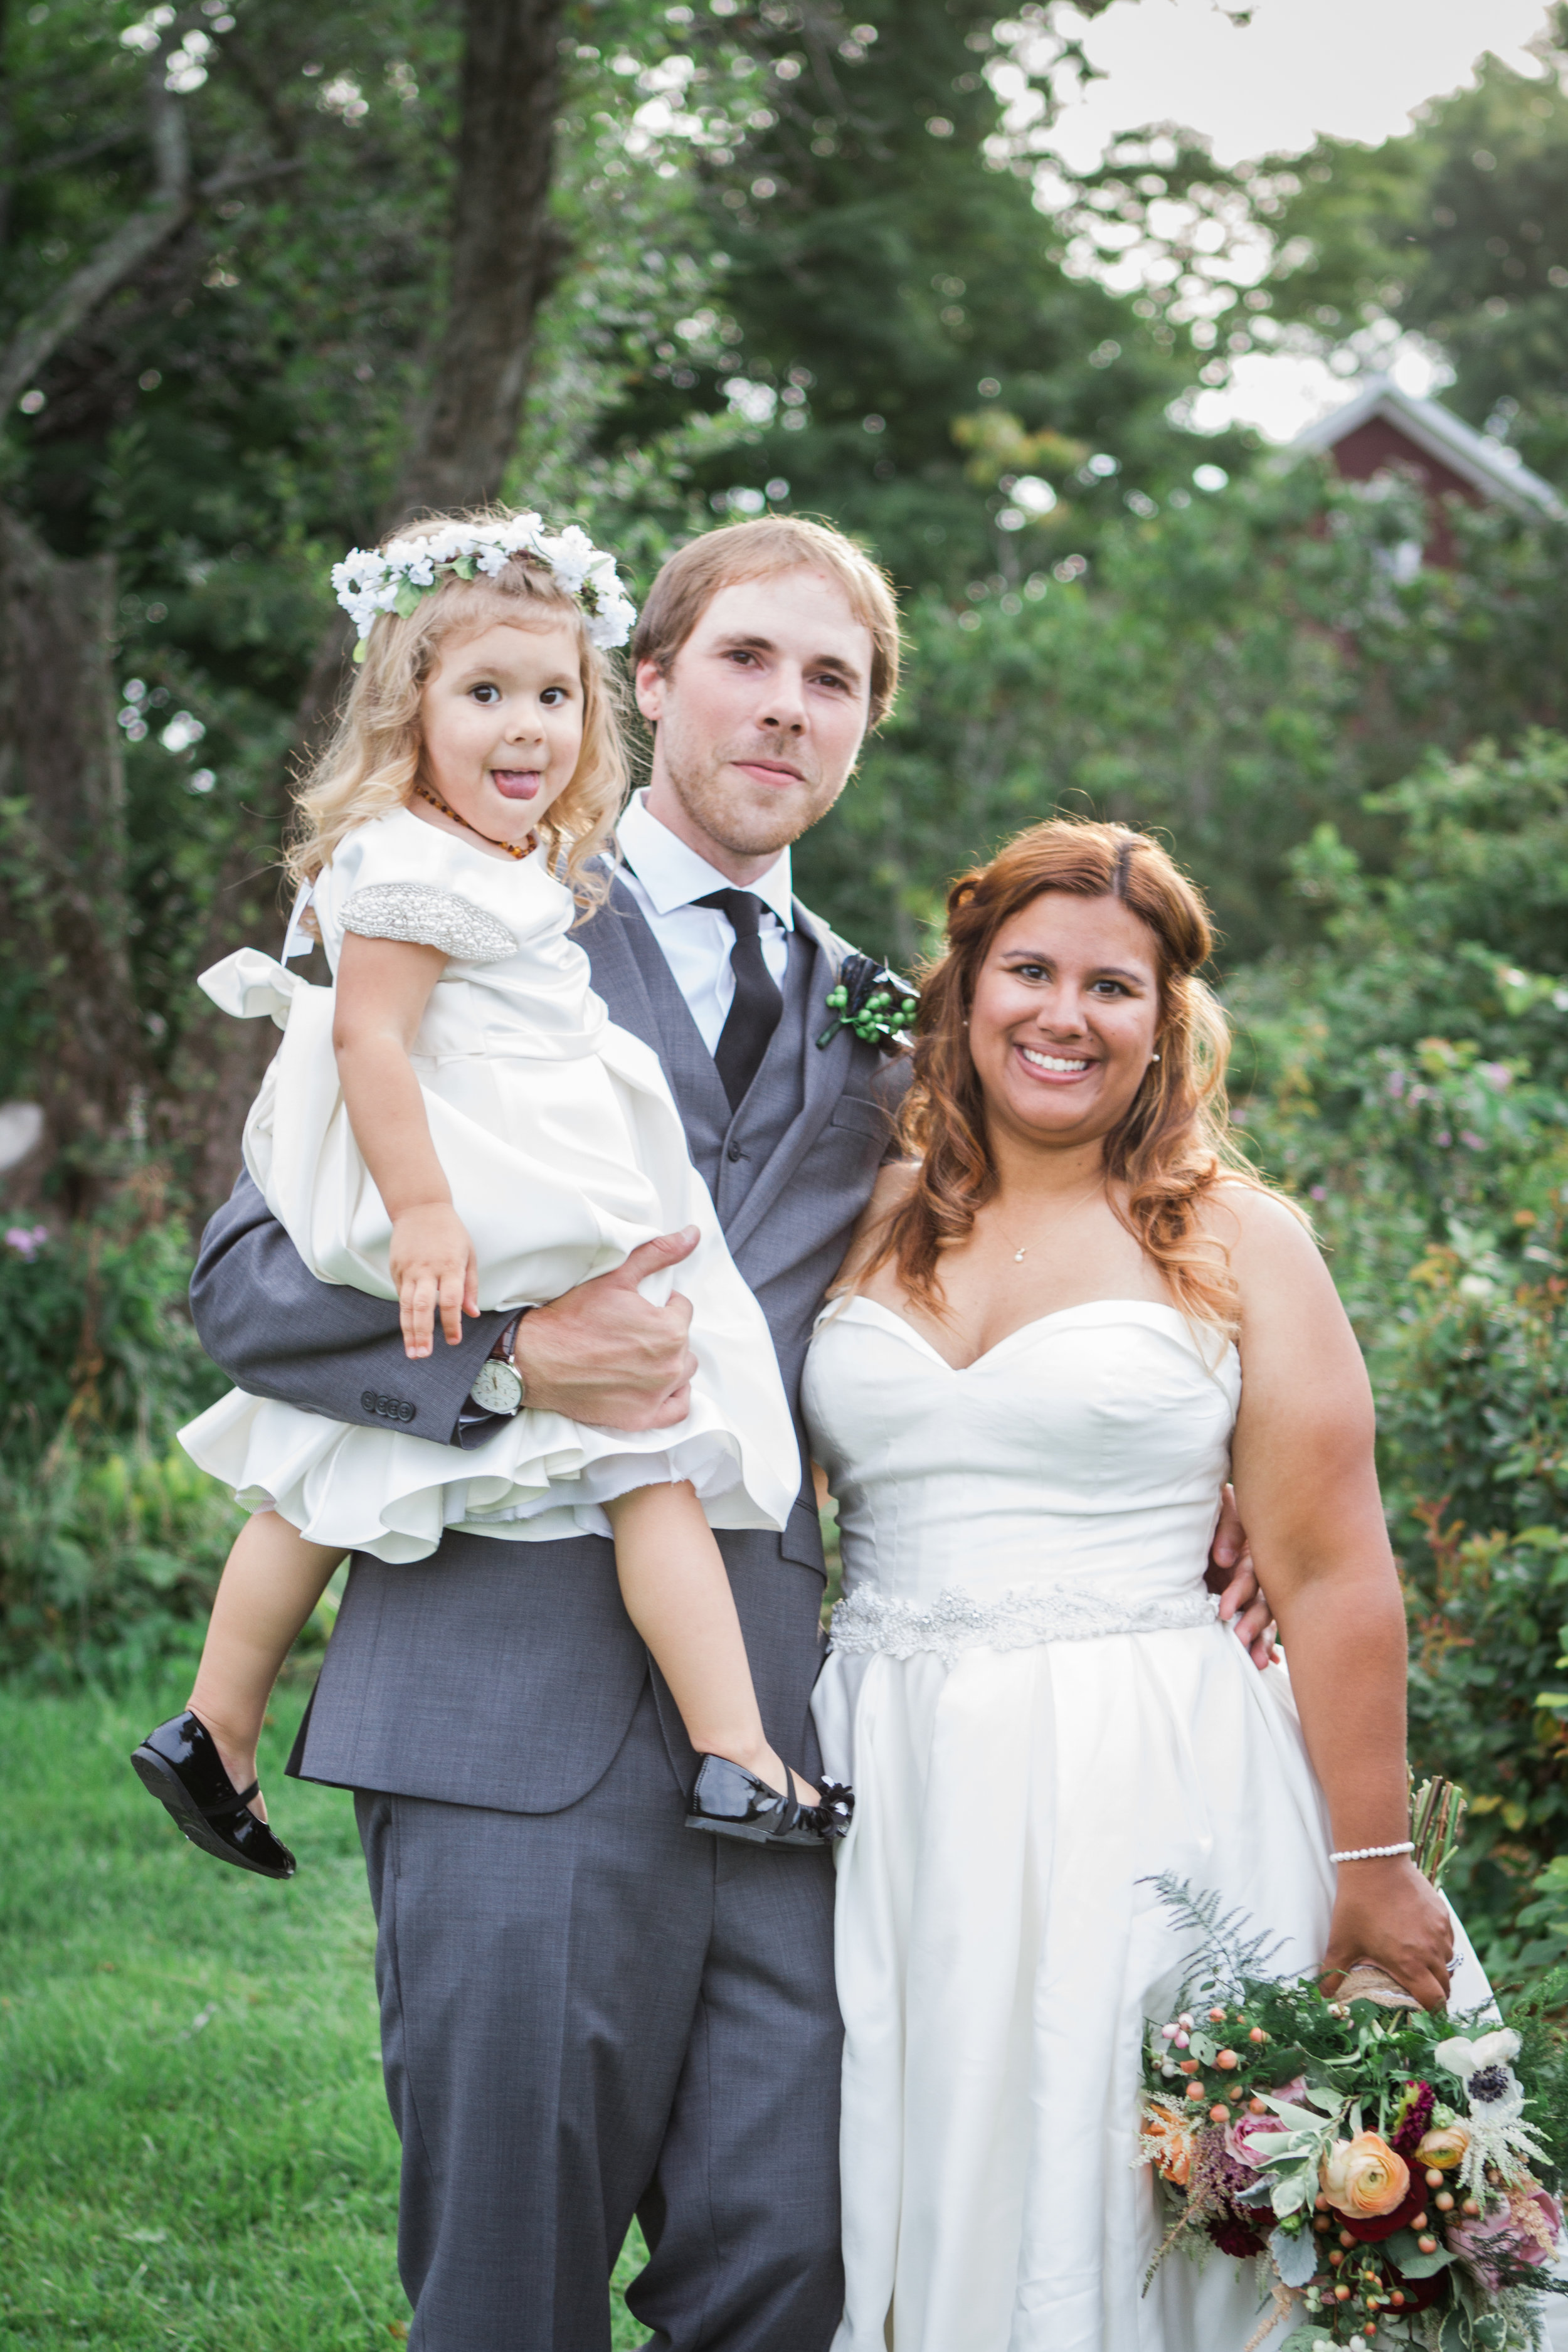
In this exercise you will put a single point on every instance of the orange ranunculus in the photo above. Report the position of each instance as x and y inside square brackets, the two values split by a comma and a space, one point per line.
[1443, 2151]
[1168, 2135]
[1363, 2178]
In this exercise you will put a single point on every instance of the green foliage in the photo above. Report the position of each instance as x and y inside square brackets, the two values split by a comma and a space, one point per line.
[1409, 1081]
[235, 416]
[94, 1333]
[198, 2148]
[1458, 231]
[1236, 671]
[891, 288]
[110, 1539]
[109, 1561]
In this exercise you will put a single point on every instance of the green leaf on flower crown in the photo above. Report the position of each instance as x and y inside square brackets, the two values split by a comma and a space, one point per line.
[464, 567]
[407, 600]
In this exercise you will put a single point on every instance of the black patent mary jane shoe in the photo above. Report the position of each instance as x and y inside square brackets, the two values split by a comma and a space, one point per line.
[729, 1801]
[180, 1763]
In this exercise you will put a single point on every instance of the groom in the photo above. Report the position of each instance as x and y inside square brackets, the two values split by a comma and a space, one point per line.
[587, 2011]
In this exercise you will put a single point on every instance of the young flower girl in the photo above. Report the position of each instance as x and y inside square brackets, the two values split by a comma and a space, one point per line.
[456, 1123]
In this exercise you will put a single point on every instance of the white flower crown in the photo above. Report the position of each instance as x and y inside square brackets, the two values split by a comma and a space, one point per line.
[394, 578]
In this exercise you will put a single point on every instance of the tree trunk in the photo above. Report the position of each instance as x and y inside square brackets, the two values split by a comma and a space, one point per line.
[504, 258]
[63, 907]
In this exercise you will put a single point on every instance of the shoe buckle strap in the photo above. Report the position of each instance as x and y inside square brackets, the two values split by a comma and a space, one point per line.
[227, 1804]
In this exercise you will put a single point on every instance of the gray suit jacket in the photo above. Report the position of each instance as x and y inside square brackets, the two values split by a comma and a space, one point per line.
[505, 1673]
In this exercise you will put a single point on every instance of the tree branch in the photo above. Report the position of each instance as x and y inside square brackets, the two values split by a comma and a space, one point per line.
[7, 133]
[39, 337]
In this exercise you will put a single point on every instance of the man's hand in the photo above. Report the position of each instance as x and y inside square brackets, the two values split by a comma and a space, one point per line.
[604, 1355]
[1232, 1575]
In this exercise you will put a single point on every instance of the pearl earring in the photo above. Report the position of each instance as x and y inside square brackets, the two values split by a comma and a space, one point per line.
[1154, 1057]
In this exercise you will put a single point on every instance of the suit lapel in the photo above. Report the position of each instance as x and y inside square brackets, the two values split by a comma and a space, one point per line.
[825, 1072]
[606, 937]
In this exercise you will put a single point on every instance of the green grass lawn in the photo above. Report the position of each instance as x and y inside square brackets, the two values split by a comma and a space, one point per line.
[194, 2146]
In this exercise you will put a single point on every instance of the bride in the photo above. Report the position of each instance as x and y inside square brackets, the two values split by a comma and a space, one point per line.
[1065, 1315]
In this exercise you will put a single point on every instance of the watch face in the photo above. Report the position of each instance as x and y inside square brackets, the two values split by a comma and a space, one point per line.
[498, 1387]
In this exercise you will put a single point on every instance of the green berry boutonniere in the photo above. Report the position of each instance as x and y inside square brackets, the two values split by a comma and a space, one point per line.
[874, 1002]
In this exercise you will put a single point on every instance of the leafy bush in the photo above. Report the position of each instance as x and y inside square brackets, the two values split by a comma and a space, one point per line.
[1474, 1399]
[110, 1539]
[94, 1333]
[109, 1560]
[1409, 1081]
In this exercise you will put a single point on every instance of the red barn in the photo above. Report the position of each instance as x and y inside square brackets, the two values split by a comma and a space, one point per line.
[1383, 429]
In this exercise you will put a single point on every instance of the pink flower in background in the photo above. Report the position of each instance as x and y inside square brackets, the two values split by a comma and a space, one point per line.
[1476, 1142]
[27, 1240]
[1495, 1073]
[1247, 2138]
[1525, 2229]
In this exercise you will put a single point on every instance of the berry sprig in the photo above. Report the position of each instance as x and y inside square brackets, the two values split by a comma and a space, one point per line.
[872, 1001]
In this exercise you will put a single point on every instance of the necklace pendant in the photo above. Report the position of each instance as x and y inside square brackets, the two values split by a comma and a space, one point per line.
[1018, 1258]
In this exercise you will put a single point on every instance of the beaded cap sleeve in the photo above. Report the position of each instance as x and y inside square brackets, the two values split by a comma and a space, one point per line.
[400, 878]
[431, 917]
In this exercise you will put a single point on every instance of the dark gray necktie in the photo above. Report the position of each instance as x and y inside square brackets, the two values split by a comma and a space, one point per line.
[754, 1013]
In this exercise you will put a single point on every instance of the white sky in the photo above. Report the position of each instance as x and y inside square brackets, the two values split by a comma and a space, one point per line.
[1346, 69]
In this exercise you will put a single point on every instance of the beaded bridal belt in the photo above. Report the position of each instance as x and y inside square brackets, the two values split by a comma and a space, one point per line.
[871, 1623]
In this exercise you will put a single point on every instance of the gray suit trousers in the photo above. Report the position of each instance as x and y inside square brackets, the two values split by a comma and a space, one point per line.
[595, 2013]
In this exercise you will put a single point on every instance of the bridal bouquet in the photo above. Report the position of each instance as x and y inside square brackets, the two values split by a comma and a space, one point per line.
[1395, 2173]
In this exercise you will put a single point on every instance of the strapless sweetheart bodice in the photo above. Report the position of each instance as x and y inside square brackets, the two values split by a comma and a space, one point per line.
[1071, 1477]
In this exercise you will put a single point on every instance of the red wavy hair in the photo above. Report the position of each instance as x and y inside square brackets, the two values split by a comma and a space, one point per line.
[1172, 1145]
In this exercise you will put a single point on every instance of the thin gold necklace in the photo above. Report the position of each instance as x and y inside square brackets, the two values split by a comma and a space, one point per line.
[1021, 1253]
[525, 848]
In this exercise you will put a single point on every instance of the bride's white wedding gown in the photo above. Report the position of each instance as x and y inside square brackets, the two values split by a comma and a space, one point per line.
[1030, 1691]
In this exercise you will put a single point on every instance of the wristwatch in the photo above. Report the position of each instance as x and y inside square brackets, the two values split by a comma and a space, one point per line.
[498, 1386]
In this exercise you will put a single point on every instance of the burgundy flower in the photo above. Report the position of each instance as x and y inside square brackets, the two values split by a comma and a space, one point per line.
[1415, 2114]
[1232, 2235]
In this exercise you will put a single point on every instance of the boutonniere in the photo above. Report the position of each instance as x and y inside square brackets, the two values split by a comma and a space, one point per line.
[873, 1001]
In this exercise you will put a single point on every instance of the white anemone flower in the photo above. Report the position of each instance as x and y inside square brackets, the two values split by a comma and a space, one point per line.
[1499, 2135]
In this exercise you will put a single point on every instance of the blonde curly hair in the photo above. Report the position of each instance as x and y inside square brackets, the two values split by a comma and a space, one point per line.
[372, 761]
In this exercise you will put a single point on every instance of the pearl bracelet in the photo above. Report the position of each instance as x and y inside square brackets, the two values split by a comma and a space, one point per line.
[1373, 1853]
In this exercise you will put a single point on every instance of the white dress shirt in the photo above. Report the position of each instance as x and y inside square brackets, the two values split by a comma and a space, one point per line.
[667, 878]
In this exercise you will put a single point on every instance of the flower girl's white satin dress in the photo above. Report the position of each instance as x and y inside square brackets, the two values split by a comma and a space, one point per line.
[1030, 1691]
[565, 1150]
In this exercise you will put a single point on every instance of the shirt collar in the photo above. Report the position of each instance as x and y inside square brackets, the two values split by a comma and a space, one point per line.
[674, 875]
